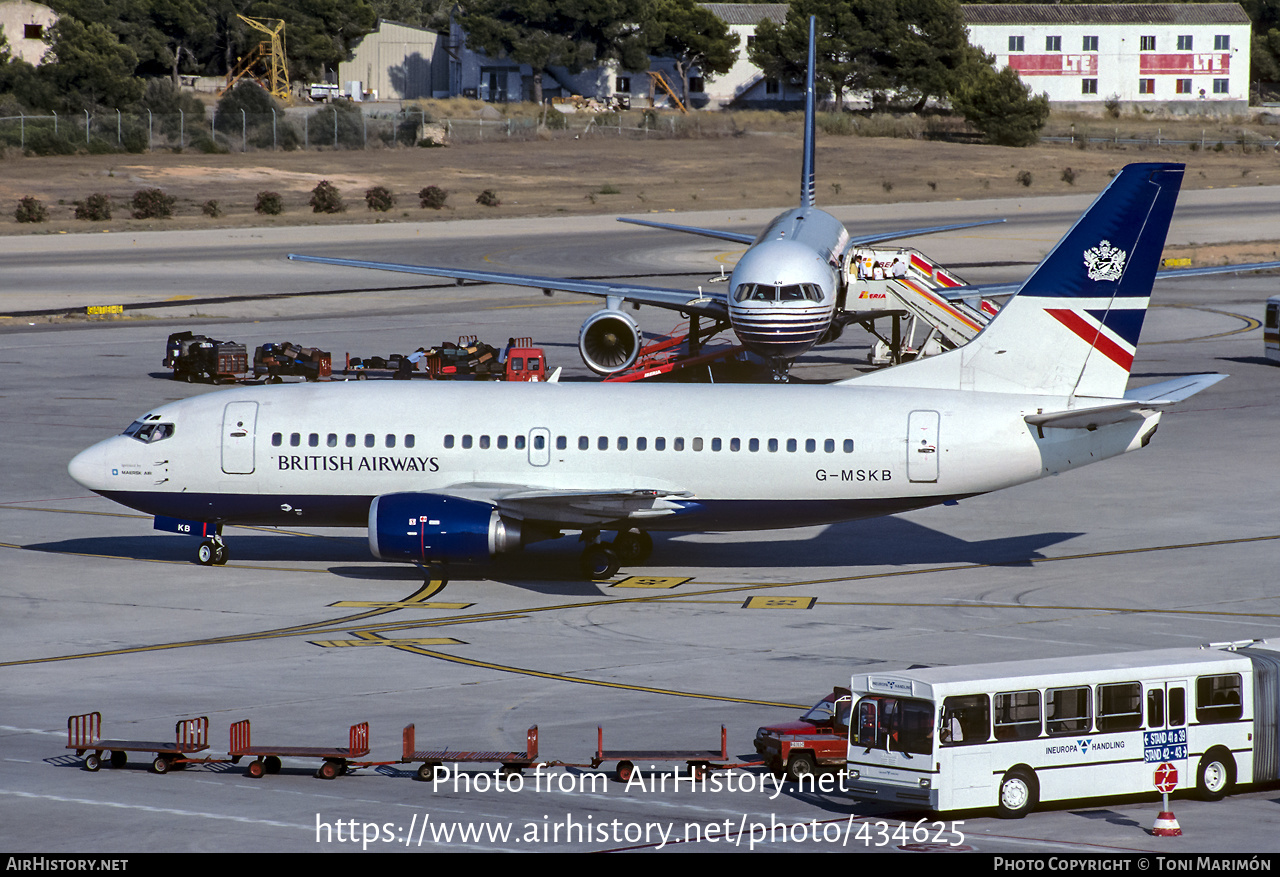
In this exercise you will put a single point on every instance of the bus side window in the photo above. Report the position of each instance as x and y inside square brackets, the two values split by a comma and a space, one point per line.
[1155, 708]
[1218, 698]
[1018, 715]
[867, 722]
[965, 719]
[1120, 706]
[1177, 707]
[1068, 711]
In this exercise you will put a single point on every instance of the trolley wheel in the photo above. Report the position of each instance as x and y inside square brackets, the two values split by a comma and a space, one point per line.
[256, 769]
[119, 759]
[1216, 775]
[1019, 793]
[271, 764]
[698, 770]
[220, 553]
[207, 553]
[92, 763]
[426, 771]
[600, 562]
[510, 770]
[330, 770]
[624, 771]
[633, 546]
[161, 764]
[801, 764]
[362, 377]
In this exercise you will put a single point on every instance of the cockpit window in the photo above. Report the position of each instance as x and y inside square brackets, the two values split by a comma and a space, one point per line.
[147, 431]
[768, 292]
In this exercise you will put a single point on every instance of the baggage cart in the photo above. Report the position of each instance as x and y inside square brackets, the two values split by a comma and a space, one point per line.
[267, 758]
[699, 761]
[199, 357]
[189, 736]
[512, 762]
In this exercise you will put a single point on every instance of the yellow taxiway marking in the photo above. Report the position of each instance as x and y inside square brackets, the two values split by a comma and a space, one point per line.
[402, 604]
[408, 641]
[1249, 324]
[651, 582]
[779, 602]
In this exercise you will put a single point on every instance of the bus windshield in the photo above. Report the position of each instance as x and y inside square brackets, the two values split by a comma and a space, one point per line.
[895, 724]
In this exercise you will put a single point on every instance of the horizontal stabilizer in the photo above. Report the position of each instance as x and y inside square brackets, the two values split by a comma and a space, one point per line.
[917, 232]
[1137, 404]
[736, 237]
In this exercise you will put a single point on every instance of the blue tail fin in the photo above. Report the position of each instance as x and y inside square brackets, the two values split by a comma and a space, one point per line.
[808, 180]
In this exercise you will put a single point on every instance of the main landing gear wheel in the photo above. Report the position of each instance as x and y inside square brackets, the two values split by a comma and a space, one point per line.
[633, 546]
[211, 553]
[600, 562]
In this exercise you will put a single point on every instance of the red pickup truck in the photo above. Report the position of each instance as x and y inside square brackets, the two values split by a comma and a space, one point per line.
[819, 737]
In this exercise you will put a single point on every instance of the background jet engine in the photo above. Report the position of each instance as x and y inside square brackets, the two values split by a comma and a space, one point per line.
[609, 342]
[429, 528]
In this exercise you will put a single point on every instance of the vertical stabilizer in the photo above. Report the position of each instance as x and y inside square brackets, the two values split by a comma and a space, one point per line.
[1072, 328]
[808, 182]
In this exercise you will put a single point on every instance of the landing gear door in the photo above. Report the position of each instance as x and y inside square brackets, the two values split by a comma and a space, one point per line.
[922, 446]
[239, 422]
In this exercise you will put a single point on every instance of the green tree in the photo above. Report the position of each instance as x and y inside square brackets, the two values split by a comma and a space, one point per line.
[1000, 105]
[319, 34]
[692, 36]
[89, 67]
[575, 34]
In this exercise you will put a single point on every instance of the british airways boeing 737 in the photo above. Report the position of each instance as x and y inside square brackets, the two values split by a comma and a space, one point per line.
[444, 473]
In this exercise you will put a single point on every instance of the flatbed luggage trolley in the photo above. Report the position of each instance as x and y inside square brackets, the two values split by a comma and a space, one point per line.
[699, 761]
[84, 735]
[267, 758]
[512, 762]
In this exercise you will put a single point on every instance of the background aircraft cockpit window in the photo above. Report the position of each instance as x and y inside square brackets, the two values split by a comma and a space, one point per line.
[149, 432]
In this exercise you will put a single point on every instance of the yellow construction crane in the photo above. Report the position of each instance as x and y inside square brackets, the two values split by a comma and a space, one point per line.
[658, 81]
[269, 53]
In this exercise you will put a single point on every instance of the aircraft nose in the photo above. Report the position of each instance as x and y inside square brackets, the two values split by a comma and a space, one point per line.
[88, 467]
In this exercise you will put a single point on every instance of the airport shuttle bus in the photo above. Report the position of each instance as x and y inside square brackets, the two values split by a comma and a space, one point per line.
[1011, 735]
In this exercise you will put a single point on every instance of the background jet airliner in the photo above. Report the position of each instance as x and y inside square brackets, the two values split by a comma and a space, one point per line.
[786, 293]
[443, 473]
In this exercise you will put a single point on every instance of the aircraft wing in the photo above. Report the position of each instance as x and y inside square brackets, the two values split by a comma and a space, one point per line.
[713, 305]
[736, 237]
[576, 508]
[1137, 404]
[983, 290]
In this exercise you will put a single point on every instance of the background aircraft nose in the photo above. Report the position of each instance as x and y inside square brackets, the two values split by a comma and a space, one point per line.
[87, 467]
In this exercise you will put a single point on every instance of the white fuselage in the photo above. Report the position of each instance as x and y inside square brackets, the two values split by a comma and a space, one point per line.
[740, 456]
[782, 293]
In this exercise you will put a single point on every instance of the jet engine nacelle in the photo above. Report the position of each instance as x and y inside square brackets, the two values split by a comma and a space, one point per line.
[609, 342]
[427, 528]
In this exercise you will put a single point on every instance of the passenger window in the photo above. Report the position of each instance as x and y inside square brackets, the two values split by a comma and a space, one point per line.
[448, 441]
[642, 443]
[735, 444]
[1017, 715]
[677, 444]
[369, 440]
[602, 443]
[1068, 711]
[466, 442]
[351, 439]
[1177, 707]
[583, 443]
[539, 442]
[313, 440]
[622, 443]
[753, 445]
[276, 439]
[331, 440]
[409, 440]
[660, 444]
[697, 444]
[1218, 699]
[1119, 706]
[773, 446]
[562, 442]
[715, 444]
[810, 445]
[965, 719]
[848, 446]
[829, 446]
[484, 442]
[502, 442]
[791, 446]
[520, 442]
[1155, 708]
[295, 440]
[390, 441]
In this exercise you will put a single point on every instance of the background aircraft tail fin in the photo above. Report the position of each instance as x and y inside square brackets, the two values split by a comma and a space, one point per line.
[808, 180]
[1072, 328]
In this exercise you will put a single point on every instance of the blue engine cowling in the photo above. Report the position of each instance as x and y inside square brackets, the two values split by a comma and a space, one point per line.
[427, 528]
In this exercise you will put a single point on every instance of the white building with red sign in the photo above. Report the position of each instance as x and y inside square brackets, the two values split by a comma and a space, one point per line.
[1185, 57]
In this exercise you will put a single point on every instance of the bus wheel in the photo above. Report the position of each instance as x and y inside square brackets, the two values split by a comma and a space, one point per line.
[1019, 792]
[1216, 775]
